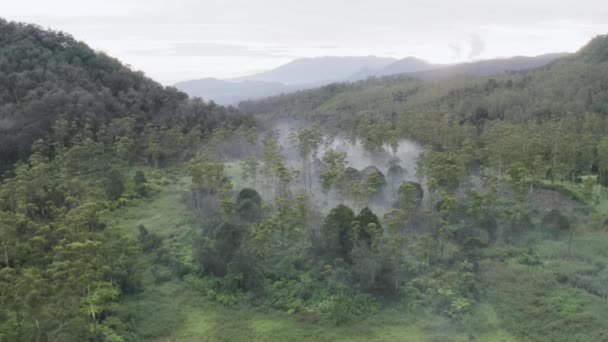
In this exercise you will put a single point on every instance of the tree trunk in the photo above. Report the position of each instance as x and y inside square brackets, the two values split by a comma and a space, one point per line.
[570, 244]
[38, 332]
[6, 259]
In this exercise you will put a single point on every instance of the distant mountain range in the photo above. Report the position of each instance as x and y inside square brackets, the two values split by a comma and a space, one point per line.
[299, 74]
[320, 70]
[308, 73]
[405, 65]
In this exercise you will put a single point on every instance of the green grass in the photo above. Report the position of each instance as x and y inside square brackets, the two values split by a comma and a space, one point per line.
[210, 322]
[162, 213]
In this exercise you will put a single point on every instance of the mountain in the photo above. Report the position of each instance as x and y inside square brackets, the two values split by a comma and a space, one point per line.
[232, 92]
[314, 72]
[47, 75]
[405, 65]
[320, 70]
[299, 74]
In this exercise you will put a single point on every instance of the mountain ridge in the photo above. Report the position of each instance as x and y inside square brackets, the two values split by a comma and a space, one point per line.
[280, 80]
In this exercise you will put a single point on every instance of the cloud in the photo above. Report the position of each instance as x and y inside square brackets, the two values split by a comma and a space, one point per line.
[212, 49]
[456, 52]
[476, 46]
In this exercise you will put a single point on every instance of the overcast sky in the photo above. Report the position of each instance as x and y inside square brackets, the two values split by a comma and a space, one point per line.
[185, 39]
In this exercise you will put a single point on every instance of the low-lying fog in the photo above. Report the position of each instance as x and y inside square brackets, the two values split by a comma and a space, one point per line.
[358, 157]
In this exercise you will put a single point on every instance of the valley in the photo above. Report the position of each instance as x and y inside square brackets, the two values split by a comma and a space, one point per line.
[449, 207]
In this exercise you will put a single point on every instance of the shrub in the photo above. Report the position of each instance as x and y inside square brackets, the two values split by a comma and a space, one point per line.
[346, 307]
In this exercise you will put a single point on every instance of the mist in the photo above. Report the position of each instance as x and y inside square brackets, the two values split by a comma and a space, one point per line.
[235, 150]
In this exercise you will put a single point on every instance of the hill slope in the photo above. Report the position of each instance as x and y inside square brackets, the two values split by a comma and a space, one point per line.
[487, 67]
[46, 75]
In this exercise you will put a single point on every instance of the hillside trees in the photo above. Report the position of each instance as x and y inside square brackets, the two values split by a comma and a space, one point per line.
[53, 81]
[332, 176]
[307, 141]
[208, 183]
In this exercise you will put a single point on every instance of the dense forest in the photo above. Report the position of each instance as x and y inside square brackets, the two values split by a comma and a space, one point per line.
[466, 209]
[73, 123]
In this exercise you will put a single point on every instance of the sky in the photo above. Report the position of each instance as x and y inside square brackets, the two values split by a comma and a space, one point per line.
[178, 40]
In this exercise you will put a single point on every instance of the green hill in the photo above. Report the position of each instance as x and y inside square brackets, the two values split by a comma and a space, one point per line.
[47, 75]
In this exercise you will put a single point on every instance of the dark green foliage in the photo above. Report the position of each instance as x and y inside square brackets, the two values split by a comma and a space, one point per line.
[161, 273]
[539, 309]
[249, 211]
[249, 194]
[573, 195]
[140, 178]
[368, 233]
[216, 255]
[206, 254]
[374, 177]
[490, 225]
[244, 272]
[141, 183]
[347, 307]
[149, 241]
[410, 195]
[228, 238]
[115, 185]
[249, 205]
[47, 75]
[337, 232]
[555, 223]
[519, 223]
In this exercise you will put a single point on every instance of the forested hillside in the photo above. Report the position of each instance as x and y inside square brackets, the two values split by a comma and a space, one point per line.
[73, 124]
[49, 78]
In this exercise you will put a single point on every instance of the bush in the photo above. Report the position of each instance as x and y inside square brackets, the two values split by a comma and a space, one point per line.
[573, 195]
[555, 223]
[149, 241]
[161, 274]
[114, 185]
[346, 307]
